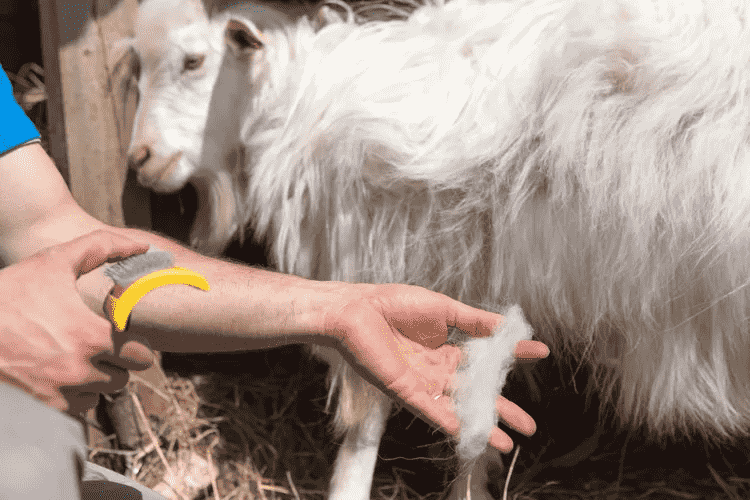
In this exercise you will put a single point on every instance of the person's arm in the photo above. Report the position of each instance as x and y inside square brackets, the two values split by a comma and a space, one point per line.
[389, 333]
[246, 308]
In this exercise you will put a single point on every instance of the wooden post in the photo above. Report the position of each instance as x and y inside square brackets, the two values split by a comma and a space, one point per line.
[91, 106]
[86, 89]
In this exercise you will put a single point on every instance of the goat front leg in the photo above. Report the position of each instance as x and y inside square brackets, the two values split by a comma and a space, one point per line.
[473, 484]
[355, 464]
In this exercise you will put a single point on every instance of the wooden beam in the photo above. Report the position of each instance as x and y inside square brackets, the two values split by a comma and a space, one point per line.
[55, 122]
[91, 105]
[86, 78]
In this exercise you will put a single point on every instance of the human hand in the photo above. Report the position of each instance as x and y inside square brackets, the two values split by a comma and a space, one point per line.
[394, 336]
[51, 344]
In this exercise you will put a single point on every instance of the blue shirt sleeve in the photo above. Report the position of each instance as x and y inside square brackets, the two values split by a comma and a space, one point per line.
[15, 126]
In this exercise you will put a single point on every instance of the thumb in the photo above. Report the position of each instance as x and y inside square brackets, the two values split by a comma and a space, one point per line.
[90, 251]
[136, 356]
[475, 322]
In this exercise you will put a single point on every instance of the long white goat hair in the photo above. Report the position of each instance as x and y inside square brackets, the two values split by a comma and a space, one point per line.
[585, 160]
[485, 364]
[192, 93]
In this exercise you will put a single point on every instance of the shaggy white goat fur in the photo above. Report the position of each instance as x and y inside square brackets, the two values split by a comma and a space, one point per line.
[480, 379]
[587, 160]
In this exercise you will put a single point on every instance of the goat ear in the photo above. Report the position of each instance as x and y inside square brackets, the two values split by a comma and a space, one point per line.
[241, 38]
[325, 16]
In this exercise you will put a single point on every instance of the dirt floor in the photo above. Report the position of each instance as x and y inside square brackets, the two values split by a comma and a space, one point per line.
[254, 425]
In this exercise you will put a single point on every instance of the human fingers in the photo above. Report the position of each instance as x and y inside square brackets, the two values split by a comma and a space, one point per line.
[117, 378]
[134, 356]
[112, 368]
[48, 358]
[132, 351]
[82, 397]
[38, 363]
[474, 322]
[439, 411]
[43, 392]
[514, 416]
[114, 373]
[429, 403]
[530, 350]
[78, 401]
[90, 251]
[509, 412]
[501, 441]
[108, 372]
[21, 379]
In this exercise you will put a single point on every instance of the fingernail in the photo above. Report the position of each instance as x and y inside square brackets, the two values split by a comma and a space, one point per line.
[531, 428]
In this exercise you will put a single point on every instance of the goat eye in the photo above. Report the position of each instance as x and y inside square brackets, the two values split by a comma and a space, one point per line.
[193, 62]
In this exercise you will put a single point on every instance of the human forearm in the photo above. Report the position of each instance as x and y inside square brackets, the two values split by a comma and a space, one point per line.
[246, 308]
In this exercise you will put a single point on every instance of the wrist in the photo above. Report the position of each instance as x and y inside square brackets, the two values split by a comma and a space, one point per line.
[346, 303]
[328, 304]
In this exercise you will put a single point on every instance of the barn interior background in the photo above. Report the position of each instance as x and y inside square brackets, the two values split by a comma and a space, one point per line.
[253, 425]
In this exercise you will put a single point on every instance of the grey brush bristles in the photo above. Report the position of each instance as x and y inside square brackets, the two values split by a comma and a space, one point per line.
[127, 271]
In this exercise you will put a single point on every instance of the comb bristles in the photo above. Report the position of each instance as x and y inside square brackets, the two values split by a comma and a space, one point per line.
[126, 272]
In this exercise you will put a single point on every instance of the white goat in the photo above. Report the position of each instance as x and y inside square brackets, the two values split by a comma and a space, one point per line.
[584, 159]
[185, 107]
[180, 52]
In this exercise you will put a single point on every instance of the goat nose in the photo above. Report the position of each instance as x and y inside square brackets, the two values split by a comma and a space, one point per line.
[137, 158]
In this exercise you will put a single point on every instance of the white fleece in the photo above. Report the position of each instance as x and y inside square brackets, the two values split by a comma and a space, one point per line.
[480, 379]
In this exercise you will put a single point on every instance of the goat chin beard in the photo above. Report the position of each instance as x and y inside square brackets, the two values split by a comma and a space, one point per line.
[217, 219]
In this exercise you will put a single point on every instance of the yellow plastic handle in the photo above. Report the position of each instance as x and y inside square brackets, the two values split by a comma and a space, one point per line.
[121, 307]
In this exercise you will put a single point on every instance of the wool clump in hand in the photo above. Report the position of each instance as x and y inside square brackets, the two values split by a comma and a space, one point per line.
[480, 378]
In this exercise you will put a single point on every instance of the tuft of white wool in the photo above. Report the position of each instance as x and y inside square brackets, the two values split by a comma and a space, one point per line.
[486, 363]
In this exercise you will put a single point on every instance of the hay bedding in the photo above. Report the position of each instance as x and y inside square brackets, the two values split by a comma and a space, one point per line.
[258, 419]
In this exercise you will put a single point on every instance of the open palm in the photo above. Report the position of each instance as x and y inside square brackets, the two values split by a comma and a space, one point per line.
[394, 336]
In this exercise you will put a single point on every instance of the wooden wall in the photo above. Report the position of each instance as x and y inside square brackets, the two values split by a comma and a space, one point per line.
[91, 102]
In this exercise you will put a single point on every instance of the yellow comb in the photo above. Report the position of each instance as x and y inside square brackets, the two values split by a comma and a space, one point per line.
[135, 276]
